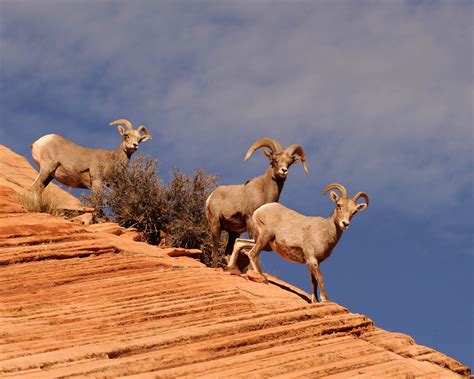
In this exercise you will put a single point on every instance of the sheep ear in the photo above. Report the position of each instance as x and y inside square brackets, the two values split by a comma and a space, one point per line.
[297, 158]
[146, 134]
[121, 130]
[268, 154]
[361, 207]
[334, 196]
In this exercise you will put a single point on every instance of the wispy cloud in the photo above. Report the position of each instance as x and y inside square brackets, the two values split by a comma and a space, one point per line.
[379, 94]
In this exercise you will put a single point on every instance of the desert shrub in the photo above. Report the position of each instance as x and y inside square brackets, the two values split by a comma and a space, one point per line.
[44, 202]
[136, 196]
[186, 197]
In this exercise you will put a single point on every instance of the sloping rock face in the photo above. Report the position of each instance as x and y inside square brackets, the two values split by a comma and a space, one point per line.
[88, 301]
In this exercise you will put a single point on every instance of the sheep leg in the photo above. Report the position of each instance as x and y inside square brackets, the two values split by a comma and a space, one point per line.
[230, 242]
[314, 268]
[254, 254]
[238, 246]
[233, 258]
[216, 236]
[96, 186]
[242, 259]
[44, 177]
[314, 282]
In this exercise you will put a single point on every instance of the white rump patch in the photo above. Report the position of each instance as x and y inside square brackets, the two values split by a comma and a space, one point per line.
[38, 145]
[265, 206]
[208, 199]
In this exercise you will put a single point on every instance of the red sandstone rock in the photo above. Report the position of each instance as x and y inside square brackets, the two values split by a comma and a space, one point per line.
[85, 301]
[7, 203]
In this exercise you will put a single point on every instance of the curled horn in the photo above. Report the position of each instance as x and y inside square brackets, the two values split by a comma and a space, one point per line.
[337, 186]
[358, 195]
[127, 123]
[298, 150]
[264, 142]
[145, 131]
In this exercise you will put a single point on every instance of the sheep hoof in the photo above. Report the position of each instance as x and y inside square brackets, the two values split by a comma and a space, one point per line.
[256, 277]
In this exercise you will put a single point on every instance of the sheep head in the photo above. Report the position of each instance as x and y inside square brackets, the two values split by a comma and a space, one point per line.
[131, 138]
[280, 159]
[346, 208]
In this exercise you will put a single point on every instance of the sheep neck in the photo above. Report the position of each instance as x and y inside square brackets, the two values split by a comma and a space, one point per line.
[337, 229]
[273, 185]
[120, 154]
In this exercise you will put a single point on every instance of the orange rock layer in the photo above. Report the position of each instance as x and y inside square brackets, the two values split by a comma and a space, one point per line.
[89, 301]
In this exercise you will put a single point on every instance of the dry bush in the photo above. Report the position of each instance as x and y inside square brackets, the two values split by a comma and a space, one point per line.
[136, 196]
[186, 197]
[132, 198]
[44, 202]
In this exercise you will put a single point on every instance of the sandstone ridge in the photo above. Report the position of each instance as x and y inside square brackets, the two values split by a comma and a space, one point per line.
[90, 301]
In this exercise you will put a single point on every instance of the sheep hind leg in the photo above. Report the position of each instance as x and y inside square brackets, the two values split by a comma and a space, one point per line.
[216, 236]
[242, 259]
[97, 186]
[44, 178]
[239, 245]
[230, 242]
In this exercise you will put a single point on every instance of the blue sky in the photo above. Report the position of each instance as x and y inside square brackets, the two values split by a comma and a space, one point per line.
[378, 93]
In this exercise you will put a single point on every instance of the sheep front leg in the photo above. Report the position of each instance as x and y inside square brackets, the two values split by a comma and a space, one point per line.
[314, 269]
[254, 254]
[314, 282]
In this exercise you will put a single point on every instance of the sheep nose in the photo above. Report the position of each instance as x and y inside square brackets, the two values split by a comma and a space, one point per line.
[135, 145]
[345, 223]
[284, 170]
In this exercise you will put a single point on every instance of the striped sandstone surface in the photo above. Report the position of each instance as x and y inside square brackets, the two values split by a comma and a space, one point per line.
[89, 301]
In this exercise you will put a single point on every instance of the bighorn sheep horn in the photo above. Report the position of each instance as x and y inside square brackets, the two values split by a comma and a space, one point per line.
[264, 142]
[337, 186]
[358, 195]
[122, 121]
[145, 131]
[298, 150]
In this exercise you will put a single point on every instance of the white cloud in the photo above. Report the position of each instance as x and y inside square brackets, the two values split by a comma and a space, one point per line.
[378, 93]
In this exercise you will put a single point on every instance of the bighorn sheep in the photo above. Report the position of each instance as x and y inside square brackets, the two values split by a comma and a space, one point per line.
[300, 238]
[80, 167]
[231, 207]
